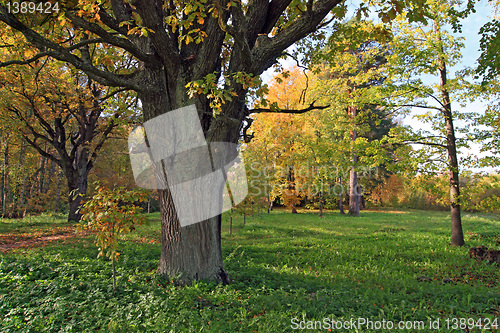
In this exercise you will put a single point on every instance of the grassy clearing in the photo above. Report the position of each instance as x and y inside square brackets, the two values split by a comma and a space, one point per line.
[282, 266]
[31, 227]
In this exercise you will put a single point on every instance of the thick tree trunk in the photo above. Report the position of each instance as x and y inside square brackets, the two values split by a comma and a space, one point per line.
[77, 189]
[192, 252]
[457, 236]
[189, 253]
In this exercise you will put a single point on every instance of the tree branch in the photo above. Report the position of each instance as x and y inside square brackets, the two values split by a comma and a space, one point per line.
[112, 124]
[425, 143]
[64, 54]
[309, 108]
[276, 9]
[35, 134]
[167, 48]
[418, 106]
[40, 150]
[109, 38]
[266, 53]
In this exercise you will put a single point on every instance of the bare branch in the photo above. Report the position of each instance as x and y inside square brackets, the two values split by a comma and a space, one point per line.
[40, 150]
[112, 124]
[113, 93]
[433, 97]
[424, 143]
[418, 106]
[309, 108]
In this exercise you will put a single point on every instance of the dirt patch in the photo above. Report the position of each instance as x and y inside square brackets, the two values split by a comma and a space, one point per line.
[16, 241]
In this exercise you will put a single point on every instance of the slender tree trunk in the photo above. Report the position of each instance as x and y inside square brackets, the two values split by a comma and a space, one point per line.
[320, 213]
[41, 175]
[114, 274]
[291, 188]
[354, 193]
[57, 199]
[270, 207]
[341, 199]
[457, 236]
[22, 159]
[5, 177]
[231, 222]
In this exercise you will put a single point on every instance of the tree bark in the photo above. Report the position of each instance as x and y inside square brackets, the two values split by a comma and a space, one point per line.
[192, 252]
[77, 174]
[77, 187]
[189, 253]
[457, 236]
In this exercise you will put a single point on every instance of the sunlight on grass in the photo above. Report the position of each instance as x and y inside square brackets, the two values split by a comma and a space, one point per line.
[281, 265]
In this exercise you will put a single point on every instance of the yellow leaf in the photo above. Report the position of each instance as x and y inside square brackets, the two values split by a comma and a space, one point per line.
[132, 31]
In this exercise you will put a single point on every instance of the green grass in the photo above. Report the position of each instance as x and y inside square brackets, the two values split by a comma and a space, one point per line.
[15, 230]
[282, 266]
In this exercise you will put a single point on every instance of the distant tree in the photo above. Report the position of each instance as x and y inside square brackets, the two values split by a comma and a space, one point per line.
[420, 50]
[277, 140]
[63, 116]
[353, 67]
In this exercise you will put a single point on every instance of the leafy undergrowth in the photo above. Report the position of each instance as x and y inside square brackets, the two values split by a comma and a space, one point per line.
[282, 266]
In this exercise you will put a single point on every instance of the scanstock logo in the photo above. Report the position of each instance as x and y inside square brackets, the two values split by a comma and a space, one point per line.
[204, 179]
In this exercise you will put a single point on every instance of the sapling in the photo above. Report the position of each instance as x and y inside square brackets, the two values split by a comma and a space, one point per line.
[111, 212]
